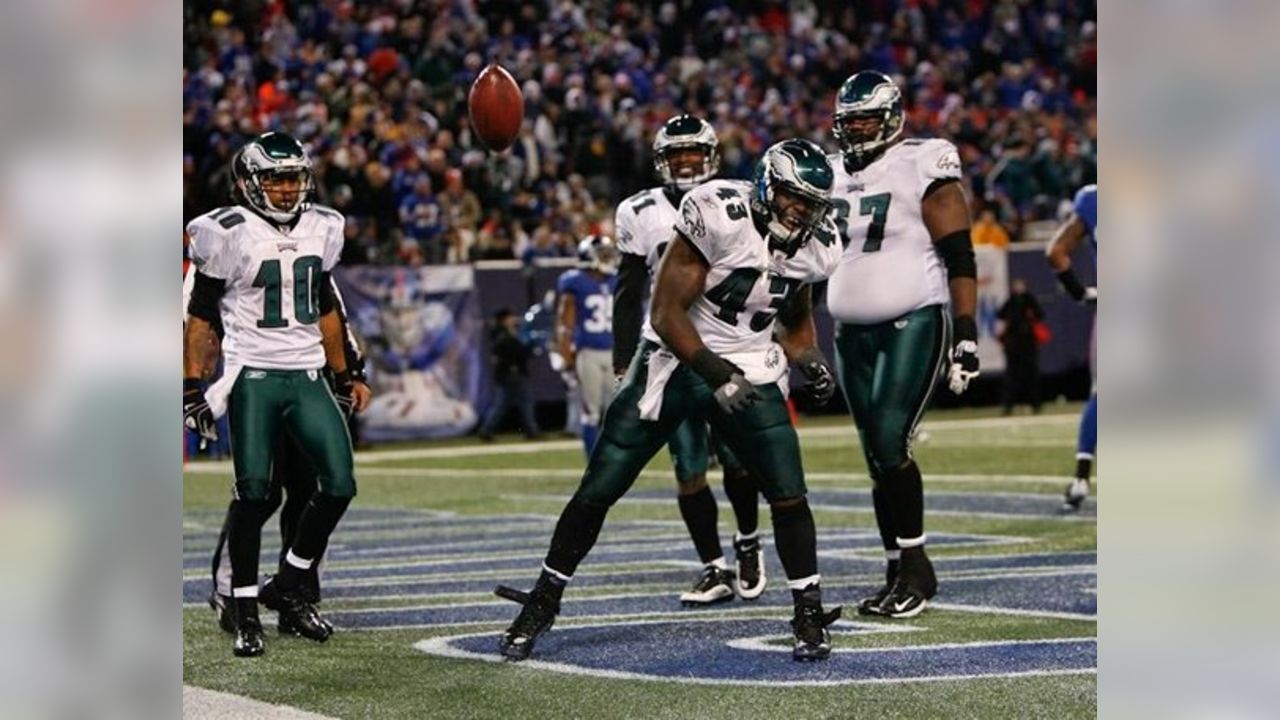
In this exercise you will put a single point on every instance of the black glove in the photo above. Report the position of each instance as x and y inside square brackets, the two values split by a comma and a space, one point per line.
[821, 385]
[737, 394]
[344, 391]
[196, 414]
[732, 391]
[964, 355]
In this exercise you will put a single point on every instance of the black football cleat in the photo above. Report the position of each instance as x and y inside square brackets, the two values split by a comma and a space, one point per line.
[915, 587]
[250, 640]
[751, 578]
[537, 614]
[297, 616]
[715, 585]
[224, 611]
[812, 639]
[870, 605]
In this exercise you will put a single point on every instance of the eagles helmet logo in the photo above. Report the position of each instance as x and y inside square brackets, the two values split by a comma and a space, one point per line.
[693, 222]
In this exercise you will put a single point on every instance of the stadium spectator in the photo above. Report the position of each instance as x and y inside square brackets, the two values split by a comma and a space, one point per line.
[378, 90]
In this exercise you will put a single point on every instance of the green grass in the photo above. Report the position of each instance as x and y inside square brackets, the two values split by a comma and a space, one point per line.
[380, 674]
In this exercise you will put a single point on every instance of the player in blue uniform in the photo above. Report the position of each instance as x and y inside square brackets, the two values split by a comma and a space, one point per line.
[1083, 222]
[585, 328]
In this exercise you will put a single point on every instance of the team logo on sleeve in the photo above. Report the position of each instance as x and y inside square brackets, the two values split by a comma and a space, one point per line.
[693, 223]
[949, 162]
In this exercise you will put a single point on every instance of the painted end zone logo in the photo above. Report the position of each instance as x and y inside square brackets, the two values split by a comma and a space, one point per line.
[726, 651]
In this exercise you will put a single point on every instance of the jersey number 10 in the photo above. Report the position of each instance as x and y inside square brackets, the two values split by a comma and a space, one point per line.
[306, 291]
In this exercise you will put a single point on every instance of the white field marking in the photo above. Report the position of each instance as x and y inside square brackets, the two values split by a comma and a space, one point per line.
[440, 646]
[843, 430]
[551, 498]
[995, 610]
[574, 473]
[202, 704]
[769, 643]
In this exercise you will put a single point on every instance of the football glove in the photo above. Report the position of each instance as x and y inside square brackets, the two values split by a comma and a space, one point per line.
[196, 415]
[821, 385]
[344, 391]
[964, 355]
[737, 394]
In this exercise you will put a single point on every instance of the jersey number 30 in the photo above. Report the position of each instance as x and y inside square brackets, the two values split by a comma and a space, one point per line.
[306, 291]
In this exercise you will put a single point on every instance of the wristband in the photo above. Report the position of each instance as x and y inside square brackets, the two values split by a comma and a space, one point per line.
[711, 367]
[190, 384]
[964, 328]
[1071, 284]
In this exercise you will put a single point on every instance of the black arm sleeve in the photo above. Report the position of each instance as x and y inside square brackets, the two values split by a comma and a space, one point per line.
[206, 294]
[956, 250]
[350, 348]
[797, 309]
[628, 308]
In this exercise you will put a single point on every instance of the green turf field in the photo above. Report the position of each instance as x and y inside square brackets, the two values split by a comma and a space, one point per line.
[436, 526]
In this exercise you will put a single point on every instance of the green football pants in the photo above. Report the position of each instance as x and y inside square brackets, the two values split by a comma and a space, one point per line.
[887, 372]
[691, 450]
[762, 437]
[264, 403]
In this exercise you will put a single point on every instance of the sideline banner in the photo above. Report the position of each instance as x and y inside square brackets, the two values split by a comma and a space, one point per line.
[422, 333]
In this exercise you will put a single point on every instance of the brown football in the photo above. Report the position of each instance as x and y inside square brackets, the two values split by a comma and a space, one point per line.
[496, 107]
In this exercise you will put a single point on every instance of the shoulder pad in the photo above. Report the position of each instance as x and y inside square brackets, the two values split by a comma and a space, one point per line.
[224, 217]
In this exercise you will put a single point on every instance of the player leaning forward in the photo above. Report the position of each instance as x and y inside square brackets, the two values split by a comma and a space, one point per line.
[743, 255]
[265, 267]
[903, 298]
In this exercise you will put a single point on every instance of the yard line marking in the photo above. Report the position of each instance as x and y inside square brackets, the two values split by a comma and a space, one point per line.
[203, 704]
[761, 643]
[995, 610]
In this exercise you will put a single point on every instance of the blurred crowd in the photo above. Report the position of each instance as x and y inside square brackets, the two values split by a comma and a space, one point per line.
[377, 89]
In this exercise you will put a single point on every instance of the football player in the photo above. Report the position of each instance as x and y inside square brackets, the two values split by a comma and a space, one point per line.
[584, 328]
[294, 479]
[262, 271]
[903, 299]
[743, 255]
[1082, 222]
[686, 153]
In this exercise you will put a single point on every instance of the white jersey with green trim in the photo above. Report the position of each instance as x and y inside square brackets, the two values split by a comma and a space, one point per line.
[645, 226]
[271, 306]
[747, 283]
[889, 266]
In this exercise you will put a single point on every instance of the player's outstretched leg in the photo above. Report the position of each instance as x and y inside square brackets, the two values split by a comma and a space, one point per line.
[796, 538]
[575, 534]
[1086, 448]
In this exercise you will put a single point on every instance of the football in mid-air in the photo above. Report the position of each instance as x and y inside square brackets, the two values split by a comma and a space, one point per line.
[496, 107]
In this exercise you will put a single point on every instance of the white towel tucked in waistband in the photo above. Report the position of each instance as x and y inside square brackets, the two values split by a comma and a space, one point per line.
[661, 364]
[760, 367]
[219, 392]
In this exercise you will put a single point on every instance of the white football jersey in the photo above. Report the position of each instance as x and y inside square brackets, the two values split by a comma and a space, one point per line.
[889, 266]
[645, 225]
[747, 283]
[271, 304]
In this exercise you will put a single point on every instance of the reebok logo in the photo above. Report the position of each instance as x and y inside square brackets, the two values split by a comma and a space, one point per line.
[254, 375]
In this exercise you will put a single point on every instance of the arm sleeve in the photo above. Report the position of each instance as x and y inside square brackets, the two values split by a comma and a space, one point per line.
[628, 308]
[691, 222]
[939, 163]
[206, 297]
[209, 249]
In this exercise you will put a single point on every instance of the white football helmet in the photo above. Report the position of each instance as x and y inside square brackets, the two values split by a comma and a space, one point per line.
[680, 133]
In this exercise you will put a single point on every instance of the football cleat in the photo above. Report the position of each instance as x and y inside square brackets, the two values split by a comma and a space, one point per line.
[915, 587]
[297, 616]
[870, 605]
[224, 610]
[813, 640]
[250, 640]
[1075, 495]
[715, 585]
[537, 615]
[750, 566]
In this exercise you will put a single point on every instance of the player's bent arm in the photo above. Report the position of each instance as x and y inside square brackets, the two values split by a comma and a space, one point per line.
[198, 341]
[1064, 242]
[796, 321]
[628, 309]
[946, 215]
[682, 277]
[566, 316]
[332, 335]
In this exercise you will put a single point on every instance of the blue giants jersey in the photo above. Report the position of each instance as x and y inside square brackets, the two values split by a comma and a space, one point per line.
[593, 300]
[1086, 207]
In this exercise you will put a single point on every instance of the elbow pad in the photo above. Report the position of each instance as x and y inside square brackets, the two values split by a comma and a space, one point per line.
[956, 251]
